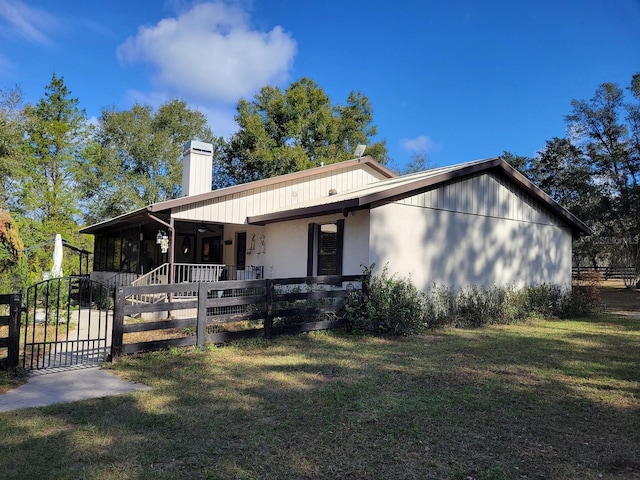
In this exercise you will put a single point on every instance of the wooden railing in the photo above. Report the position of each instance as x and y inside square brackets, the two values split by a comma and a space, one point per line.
[606, 272]
[191, 273]
[227, 310]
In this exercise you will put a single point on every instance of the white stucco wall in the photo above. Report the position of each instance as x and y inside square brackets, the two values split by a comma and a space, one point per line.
[460, 249]
[479, 231]
[286, 245]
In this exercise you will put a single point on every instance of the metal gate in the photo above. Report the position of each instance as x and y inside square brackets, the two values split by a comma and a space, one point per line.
[68, 322]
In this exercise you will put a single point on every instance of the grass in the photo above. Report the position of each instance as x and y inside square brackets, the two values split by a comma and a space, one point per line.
[543, 400]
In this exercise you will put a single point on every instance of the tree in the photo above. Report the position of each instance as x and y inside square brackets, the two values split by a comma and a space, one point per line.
[56, 134]
[11, 136]
[419, 162]
[43, 151]
[519, 162]
[595, 173]
[607, 129]
[282, 132]
[564, 172]
[139, 155]
[11, 246]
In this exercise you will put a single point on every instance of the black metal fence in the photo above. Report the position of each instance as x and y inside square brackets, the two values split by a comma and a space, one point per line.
[218, 312]
[67, 322]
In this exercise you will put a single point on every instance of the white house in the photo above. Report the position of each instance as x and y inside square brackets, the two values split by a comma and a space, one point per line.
[477, 223]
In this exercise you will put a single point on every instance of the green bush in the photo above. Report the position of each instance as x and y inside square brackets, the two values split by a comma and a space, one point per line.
[388, 305]
[584, 301]
[473, 306]
[545, 300]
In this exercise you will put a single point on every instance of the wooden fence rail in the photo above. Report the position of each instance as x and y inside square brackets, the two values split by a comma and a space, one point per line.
[12, 341]
[606, 272]
[224, 311]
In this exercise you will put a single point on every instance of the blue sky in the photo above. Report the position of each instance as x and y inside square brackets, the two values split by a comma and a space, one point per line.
[460, 80]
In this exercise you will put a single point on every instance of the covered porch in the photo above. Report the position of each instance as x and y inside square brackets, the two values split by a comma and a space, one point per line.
[147, 249]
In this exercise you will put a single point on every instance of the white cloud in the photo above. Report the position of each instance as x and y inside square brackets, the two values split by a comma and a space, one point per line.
[210, 53]
[421, 143]
[27, 22]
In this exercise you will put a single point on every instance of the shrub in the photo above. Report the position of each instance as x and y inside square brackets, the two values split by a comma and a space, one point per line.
[386, 305]
[473, 306]
[440, 306]
[584, 301]
[391, 306]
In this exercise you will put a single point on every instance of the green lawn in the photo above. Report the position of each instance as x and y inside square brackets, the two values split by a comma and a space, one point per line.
[545, 400]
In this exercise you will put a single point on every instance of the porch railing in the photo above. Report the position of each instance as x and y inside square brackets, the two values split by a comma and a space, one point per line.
[121, 279]
[193, 273]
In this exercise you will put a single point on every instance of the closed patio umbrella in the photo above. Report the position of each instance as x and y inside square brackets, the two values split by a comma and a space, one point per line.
[56, 270]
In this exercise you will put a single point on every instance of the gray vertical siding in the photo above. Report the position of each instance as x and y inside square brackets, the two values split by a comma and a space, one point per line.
[484, 195]
[235, 208]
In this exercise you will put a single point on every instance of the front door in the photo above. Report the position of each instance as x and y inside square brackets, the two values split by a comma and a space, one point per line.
[212, 249]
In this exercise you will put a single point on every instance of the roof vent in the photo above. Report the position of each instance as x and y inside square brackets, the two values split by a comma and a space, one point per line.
[333, 191]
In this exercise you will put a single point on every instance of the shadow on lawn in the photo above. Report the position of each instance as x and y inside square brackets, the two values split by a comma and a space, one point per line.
[491, 403]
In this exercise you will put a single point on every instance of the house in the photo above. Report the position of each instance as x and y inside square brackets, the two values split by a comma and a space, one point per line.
[477, 223]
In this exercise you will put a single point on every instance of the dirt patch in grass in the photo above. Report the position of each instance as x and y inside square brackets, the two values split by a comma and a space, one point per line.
[619, 299]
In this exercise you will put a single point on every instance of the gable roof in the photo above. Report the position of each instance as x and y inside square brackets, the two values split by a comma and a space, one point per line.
[388, 190]
[392, 189]
[163, 209]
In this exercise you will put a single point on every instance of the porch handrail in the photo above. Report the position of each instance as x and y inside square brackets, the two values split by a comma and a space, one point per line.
[121, 279]
[182, 273]
[159, 275]
[197, 272]
[192, 273]
[155, 276]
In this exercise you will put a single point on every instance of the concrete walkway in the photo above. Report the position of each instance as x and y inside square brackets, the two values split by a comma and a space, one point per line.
[66, 385]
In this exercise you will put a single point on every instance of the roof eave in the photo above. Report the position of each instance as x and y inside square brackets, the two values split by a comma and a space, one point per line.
[305, 212]
[578, 227]
[373, 200]
[403, 191]
[180, 202]
[136, 217]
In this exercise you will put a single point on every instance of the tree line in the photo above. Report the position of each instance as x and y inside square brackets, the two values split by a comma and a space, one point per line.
[594, 172]
[59, 171]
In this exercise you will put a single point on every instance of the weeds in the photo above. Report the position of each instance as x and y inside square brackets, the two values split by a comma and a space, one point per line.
[388, 305]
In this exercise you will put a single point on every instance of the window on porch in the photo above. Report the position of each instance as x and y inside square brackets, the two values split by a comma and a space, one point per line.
[325, 249]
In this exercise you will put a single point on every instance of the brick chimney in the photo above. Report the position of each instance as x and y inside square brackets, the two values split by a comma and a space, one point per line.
[197, 166]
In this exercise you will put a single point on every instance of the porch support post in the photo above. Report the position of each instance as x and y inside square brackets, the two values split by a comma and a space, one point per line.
[172, 244]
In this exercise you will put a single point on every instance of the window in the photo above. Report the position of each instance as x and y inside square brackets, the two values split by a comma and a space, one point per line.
[325, 248]
[117, 251]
